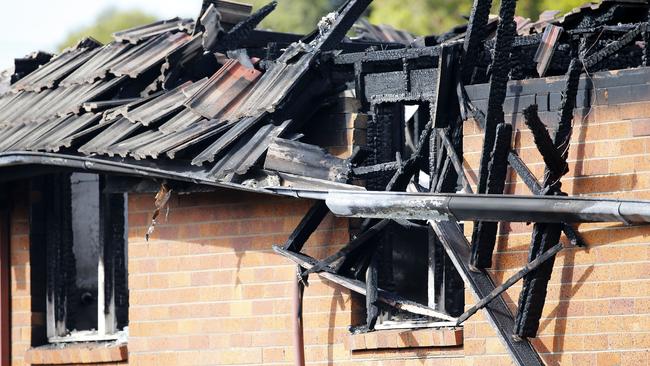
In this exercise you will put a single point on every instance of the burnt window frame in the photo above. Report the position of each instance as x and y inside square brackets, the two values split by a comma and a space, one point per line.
[50, 229]
[388, 132]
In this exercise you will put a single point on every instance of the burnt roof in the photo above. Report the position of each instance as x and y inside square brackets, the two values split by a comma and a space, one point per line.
[154, 96]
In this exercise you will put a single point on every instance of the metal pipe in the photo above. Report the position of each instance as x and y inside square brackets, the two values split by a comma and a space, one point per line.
[298, 334]
[509, 208]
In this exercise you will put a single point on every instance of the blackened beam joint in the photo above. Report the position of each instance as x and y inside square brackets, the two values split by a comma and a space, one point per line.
[510, 282]
[522, 170]
[533, 184]
[455, 160]
[352, 246]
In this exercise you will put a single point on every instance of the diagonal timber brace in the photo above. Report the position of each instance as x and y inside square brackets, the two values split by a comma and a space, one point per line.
[359, 287]
[355, 244]
[522, 171]
[510, 282]
[453, 240]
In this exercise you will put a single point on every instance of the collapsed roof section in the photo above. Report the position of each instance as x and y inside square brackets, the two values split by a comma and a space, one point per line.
[218, 102]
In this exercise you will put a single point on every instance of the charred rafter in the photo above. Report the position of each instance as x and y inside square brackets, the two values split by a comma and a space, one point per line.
[546, 235]
[485, 233]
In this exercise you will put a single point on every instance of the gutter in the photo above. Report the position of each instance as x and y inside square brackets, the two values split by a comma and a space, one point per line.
[384, 205]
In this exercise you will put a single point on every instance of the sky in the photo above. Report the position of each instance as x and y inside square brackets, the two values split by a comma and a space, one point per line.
[31, 25]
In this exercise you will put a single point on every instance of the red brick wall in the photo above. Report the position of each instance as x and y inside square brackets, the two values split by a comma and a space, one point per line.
[21, 315]
[207, 289]
[598, 305]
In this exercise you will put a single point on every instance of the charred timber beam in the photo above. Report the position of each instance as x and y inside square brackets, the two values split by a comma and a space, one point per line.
[352, 246]
[306, 227]
[455, 160]
[484, 235]
[347, 16]
[453, 240]
[464, 207]
[552, 157]
[377, 168]
[510, 282]
[359, 287]
[614, 47]
[523, 172]
[533, 184]
[475, 35]
[492, 173]
[243, 30]
[445, 86]
[498, 83]
[545, 235]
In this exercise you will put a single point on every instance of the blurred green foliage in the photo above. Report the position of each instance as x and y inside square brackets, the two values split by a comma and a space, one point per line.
[108, 22]
[296, 16]
[437, 16]
[420, 17]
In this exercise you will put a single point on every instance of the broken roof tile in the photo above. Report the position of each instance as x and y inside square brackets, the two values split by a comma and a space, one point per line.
[225, 88]
[58, 68]
[116, 131]
[97, 66]
[172, 143]
[138, 34]
[150, 53]
[163, 105]
[180, 121]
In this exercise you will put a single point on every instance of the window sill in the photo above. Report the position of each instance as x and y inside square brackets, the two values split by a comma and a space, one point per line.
[77, 353]
[398, 339]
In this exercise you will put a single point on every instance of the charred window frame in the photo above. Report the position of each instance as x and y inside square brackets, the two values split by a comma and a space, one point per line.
[411, 262]
[82, 233]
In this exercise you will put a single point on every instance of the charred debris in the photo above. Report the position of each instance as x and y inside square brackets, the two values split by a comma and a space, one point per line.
[218, 102]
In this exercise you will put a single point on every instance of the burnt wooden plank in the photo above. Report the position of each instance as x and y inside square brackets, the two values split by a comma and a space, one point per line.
[359, 287]
[533, 295]
[498, 85]
[445, 86]
[510, 282]
[552, 157]
[306, 160]
[352, 246]
[453, 240]
[306, 227]
[485, 232]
